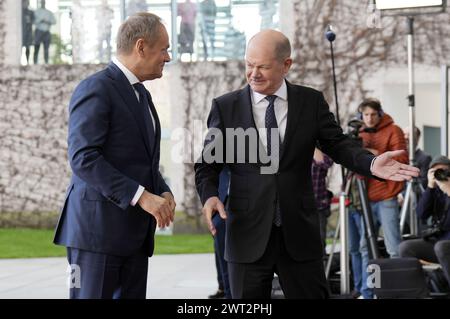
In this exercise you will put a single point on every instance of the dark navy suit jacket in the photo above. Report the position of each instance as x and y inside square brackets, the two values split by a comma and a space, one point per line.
[110, 154]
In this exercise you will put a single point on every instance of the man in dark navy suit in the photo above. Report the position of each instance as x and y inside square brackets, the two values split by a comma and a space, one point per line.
[116, 196]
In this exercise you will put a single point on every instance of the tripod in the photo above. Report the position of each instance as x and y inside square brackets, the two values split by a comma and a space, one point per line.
[413, 191]
[412, 188]
[342, 231]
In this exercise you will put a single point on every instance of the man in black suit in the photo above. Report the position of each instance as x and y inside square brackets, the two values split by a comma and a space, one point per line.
[271, 220]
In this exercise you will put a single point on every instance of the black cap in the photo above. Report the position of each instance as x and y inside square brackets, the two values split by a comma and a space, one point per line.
[440, 159]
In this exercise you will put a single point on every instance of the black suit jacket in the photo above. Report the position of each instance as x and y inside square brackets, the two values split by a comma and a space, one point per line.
[251, 202]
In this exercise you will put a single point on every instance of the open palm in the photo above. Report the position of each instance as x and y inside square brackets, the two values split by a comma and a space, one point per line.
[387, 168]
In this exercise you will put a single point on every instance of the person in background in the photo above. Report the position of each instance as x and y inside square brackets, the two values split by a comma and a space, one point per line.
[208, 9]
[43, 21]
[355, 233]
[380, 134]
[27, 28]
[219, 241]
[422, 159]
[188, 12]
[319, 170]
[435, 203]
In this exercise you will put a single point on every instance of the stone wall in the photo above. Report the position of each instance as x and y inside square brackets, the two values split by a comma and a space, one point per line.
[198, 84]
[33, 107]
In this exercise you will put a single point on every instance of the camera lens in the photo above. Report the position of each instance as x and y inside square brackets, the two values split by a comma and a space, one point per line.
[441, 174]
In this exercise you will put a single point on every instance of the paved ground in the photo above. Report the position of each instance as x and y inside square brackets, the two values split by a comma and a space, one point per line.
[170, 277]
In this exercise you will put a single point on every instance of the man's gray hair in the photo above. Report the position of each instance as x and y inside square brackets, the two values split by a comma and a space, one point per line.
[282, 49]
[142, 25]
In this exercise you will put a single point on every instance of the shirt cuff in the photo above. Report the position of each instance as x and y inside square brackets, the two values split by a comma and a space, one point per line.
[371, 164]
[137, 195]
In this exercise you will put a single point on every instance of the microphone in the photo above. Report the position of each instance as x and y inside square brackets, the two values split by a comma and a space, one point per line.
[329, 33]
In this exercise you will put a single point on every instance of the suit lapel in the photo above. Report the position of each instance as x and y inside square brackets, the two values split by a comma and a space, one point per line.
[156, 142]
[247, 120]
[125, 89]
[244, 104]
[295, 104]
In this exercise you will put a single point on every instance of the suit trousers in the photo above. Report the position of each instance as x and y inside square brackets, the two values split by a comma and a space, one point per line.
[219, 248]
[104, 276]
[298, 280]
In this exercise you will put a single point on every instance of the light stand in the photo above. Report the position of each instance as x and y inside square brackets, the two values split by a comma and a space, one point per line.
[330, 35]
[342, 226]
[343, 212]
[411, 197]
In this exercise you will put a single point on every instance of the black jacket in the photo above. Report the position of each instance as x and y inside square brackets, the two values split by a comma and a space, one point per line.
[251, 202]
[432, 203]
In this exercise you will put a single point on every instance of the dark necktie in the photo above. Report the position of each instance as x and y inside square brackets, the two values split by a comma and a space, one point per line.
[271, 123]
[144, 102]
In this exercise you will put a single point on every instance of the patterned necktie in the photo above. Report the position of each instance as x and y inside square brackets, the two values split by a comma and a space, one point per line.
[271, 123]
[143, 101]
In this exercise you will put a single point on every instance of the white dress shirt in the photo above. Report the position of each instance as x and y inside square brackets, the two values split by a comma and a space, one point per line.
[133, 80]
[259, 107]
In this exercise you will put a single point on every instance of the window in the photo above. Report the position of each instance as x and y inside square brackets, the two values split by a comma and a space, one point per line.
[83, 31]
[432, 140]
[219, 29]
[69, 31]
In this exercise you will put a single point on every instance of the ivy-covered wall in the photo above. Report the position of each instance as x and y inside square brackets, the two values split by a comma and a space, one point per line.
[33, 167]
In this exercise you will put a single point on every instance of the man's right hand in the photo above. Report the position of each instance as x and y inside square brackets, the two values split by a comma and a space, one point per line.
[213, 204]
[157, 206]
[431, 178]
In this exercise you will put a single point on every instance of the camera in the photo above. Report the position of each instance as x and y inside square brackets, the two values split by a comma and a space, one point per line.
[354, 125]
[441, 174]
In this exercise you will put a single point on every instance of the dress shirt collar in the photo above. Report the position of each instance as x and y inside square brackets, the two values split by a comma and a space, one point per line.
[281, 93]
[129, 75]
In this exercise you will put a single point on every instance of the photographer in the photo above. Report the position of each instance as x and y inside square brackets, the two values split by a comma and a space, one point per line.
[435, 203]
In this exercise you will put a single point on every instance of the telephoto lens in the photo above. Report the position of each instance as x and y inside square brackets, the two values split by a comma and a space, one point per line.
[442, 174]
